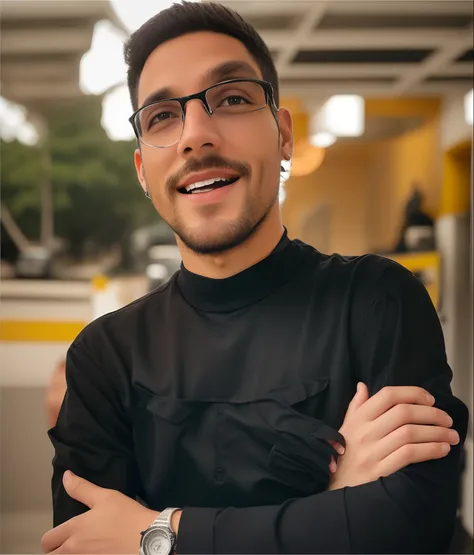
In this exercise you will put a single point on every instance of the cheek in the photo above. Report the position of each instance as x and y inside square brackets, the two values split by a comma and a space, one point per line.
[156, 170]
[262, 137]
[265, 153]
[255, 142]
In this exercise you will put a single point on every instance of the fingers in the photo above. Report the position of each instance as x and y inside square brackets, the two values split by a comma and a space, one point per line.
[83, 491]
[57, 536]
[360, 397]
[332, 465]
[340, 449]
[402, 415]
[410, 454]
[389, 397]
[413, 434]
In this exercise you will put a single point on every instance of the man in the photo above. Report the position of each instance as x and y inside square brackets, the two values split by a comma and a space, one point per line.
[228, 393]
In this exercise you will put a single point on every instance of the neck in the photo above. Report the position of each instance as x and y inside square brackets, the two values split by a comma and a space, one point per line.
[223, 265]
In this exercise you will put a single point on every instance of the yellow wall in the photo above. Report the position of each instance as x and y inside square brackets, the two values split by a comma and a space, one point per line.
[414, 157]
[456, 179]
[341, 184]
[365, 185]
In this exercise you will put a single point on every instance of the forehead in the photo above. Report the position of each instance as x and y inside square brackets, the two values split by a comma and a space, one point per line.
[182, 64]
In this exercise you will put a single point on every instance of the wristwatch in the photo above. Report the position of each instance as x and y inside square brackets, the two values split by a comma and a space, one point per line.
[159, 538]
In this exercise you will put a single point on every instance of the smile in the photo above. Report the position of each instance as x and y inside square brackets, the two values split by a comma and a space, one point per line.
[207, 185]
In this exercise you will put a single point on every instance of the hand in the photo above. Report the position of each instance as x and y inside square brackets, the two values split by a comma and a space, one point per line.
[396, 427]
[113, 524]
[55, 393]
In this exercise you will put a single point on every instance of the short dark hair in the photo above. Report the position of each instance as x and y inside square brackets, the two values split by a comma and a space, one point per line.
[189, 17]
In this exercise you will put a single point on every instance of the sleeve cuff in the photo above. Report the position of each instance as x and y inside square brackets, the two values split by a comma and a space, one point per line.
[196, 530]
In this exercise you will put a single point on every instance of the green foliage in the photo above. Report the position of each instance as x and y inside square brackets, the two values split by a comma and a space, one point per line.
[97, 199]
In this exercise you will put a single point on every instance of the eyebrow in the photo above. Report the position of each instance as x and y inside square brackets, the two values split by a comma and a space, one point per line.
[231, 69]
[227, 70]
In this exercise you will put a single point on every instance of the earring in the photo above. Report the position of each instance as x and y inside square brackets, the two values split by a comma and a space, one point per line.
[286, 167]
[147, 194]
[287, 159]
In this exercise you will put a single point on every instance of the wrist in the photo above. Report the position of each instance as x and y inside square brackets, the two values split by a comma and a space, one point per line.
[149, 518]
[175, 520]
[333, 484]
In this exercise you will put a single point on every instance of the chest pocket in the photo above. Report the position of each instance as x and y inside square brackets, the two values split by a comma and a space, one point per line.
[291, 441]
[268, 448]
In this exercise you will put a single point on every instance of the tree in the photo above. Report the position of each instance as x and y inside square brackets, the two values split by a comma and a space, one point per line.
[96, 195]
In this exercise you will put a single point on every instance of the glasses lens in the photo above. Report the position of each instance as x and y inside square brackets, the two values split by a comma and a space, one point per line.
[160, 124]
[237, 98]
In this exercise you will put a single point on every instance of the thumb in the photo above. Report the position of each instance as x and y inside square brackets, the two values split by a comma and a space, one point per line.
[360, 397]
[81, 490]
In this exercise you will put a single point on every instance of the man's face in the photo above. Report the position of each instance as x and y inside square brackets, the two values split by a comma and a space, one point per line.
[246, 146]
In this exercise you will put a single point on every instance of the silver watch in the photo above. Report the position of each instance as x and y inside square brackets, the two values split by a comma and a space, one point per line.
[159, 538]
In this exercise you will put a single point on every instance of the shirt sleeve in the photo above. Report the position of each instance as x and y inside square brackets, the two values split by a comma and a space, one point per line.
[92, 436]
[396, 340]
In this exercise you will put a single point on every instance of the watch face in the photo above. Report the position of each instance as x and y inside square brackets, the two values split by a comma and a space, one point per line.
[157, 542]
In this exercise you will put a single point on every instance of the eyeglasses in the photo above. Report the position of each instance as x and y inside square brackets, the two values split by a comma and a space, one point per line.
[160, 124]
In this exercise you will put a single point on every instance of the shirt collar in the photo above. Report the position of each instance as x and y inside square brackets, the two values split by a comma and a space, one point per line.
[246, 287]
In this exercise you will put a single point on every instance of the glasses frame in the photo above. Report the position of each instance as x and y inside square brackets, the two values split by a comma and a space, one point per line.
[202, 96]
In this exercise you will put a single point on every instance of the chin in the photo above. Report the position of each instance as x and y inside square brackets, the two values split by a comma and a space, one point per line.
[217, 237]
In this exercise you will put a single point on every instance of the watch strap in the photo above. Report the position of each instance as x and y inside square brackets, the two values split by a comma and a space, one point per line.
[164, 518]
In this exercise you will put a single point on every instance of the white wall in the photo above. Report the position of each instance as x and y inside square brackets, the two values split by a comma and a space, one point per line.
[455, 245]
[25, 450]
[454, 128]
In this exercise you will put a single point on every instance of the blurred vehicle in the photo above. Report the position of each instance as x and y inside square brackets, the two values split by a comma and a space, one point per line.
[155, 254]
[34, 263]
[163, 262]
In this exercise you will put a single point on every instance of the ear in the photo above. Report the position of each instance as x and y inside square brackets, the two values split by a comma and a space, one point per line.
[140, 170]
[286, 133]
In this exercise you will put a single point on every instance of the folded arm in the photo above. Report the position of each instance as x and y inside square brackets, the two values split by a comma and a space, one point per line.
[398, 342]
[92, 432]
[412, 510]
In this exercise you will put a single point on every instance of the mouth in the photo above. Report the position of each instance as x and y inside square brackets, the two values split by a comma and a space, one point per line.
[207, 185]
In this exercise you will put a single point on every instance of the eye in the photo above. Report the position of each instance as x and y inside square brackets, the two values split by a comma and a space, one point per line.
[234, 100]
[161, 116]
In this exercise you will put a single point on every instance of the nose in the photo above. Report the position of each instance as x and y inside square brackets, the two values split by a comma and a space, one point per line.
[200, 133]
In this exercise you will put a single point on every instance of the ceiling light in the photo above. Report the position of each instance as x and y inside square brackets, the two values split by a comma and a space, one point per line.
[343, 116]
[103, 66]
[116, 107]
[322, 139]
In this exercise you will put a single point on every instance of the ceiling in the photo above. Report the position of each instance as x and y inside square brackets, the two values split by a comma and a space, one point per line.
[42, 42]
[377, 48]
[381, 48]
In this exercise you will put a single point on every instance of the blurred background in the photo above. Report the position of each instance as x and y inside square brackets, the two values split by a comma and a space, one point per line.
[381, 93]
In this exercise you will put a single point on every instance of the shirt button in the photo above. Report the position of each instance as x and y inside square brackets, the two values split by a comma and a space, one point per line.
[219, 474]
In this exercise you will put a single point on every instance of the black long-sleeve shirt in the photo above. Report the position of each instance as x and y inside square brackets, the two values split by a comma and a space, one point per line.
[218, 396]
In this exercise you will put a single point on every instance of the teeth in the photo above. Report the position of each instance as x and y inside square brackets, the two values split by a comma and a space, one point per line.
[203, 190]
[204, 183]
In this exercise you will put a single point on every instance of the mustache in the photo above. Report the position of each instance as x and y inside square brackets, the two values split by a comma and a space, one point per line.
[208, 162]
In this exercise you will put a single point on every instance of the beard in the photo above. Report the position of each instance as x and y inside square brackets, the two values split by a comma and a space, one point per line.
[219, 237]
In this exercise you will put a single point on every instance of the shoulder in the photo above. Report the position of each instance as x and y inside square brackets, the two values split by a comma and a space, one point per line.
[119, 330]
[364, 281]
[363, 275]
[377, 276]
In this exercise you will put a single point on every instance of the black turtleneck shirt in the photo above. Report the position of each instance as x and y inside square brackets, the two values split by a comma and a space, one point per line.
[219, 396]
